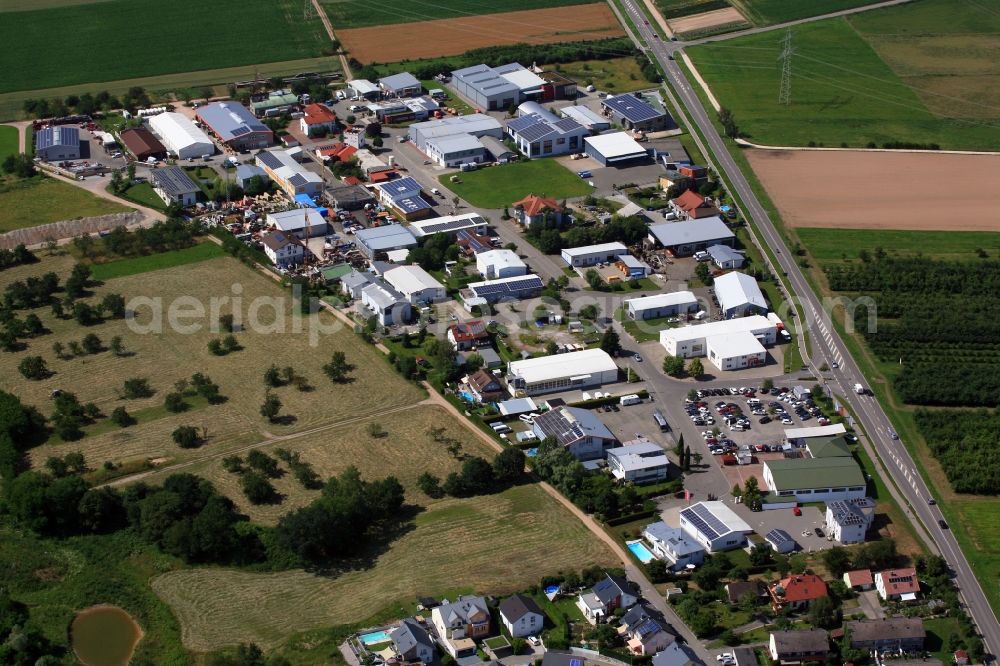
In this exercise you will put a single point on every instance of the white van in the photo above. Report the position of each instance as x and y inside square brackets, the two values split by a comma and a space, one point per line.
[627, 400]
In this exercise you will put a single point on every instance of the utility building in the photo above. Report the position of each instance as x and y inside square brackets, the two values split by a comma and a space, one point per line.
[635, 113]
[661, 305]
[815, 479]
[714, 525]
[685, 238]
[174, 186]
[538, 133]
[739, 295]
[561, 372]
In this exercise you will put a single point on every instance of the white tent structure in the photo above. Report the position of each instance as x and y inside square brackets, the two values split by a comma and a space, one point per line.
[181, 136]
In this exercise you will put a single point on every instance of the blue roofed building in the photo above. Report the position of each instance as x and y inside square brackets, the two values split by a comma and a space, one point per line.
[235, 126]
[633, 112]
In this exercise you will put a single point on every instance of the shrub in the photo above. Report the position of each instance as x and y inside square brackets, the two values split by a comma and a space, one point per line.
[92, 344]
[33, 367]
[258, 489]
[186, 437]
[136, 387]
[121, 418]
[174, 402]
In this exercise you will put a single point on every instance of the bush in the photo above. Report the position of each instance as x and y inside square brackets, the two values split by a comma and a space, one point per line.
[257, 488]
[136, 387]
[186, 437]
[33, 367]
[174, 402]
[121, 418]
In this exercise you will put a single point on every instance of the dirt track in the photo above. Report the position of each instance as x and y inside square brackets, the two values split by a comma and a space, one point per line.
[429, 39]
[707, 20]
[890, 190]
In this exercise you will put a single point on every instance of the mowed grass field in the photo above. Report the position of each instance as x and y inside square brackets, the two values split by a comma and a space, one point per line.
[617, 75]
[9, 141]
[130, 38]
[843, 92]
[42, 200]
[493, 544]
[836, 245]
[163, 358]
[501, 186]
[769, 12]
[361, 14]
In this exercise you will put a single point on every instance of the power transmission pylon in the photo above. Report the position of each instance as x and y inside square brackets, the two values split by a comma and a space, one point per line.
[787, 51]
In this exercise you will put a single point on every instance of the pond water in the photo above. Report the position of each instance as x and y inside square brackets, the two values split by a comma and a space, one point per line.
[104, 636]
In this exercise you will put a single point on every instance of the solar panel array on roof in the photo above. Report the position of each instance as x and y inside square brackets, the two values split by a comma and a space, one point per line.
[778, 536]
[567, 125]
[536, 131]
[474, 243]
[411, 204]
[631, 108]
[298, 180]
[520, 123]
[704, 521]
[270, 160]
[241, 130]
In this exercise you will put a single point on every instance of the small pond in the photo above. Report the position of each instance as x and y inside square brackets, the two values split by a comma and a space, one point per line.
[104, 636]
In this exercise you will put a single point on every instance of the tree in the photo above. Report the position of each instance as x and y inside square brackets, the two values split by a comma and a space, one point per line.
[272, 378]
[33, 325]
[695, 368]
[430, 485]
[113, 305]
[33, 367]
[271, 406]
[673, 366]
[231, 344]
[77, 282]
[377, 142]
[186, 437]
[703, 274]
[760, 555]
[215, 347]
[337, 368]
[58, 349]
[610, 342]
[121, 418]
[257, 488]
[117, 347]
[174, 402]
[837, 561]
[768, 384]
[508, 465]
[85, 314]
[822, 613]
[136, 387]
[75, 349]
[92, 344]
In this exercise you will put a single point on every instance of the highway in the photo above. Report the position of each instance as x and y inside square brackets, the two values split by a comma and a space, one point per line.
[827, 345]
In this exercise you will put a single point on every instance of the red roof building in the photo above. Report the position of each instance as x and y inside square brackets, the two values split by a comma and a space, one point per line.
[860, 579]
[898, 584]
[468, 334]
[353, 180]
[693, 205]
[337, 152]
[533, 208]
[797, 591]
[316, 117]
[383, 176]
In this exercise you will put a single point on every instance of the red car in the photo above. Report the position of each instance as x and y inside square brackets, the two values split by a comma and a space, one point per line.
[797, 511]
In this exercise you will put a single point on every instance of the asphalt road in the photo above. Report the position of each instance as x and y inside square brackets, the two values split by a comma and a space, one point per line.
[827, 344]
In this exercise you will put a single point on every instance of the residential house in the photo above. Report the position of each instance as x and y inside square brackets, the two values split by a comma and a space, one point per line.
[388, 305]
[642, 633]
[894, 633]
[459, 623]
[466, 335]
[317, 119]
[692, 206]
[898, 584]
[416, 284]
[484, 387]
[609, 593]
[848, 520]
[579, 431]
[411, 642]
[961, 658]
[534, 208]
[860, 579]
[745, 656]
[521, 616]
[675, 655]
[639, 461]
[283, 248]
[737, 591]
[674, 545]
[796, 647]
[797, 591]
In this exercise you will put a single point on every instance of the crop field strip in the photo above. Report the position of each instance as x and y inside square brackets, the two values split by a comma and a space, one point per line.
[844, 92]
[493, 544]
[124, 39]
[344, 14]
[170, 356]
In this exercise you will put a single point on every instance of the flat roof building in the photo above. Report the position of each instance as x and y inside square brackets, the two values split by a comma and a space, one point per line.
[714, 525]
[674, 545]
[729, 344]
[739, 295]
[815, 479]
[57, 143]
[640, 462]
[383, 239]
[236, 126]
[687, 237]
[450, 224]
[590, 255]
[142, 144]
[798, 436]
[181, 136]
[174, 186]
[614, 149]
[661, 305]
[560, 372]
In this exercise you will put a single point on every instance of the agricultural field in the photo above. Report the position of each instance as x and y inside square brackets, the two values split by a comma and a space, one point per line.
[42, 200]
[454, 36]
[496, 544]
[171, 355]
[501, 186]
[345, 14]
[125, 39]
[798, 182]
[708, 23]
[844, 94]
[671, 9]
[832, 246]
[9, 141]
[769, 12]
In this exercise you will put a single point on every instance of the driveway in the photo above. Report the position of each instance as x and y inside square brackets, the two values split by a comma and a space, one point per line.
[869, 602]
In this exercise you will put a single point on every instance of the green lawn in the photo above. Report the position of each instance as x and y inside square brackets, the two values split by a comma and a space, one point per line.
[42, 200]
[769, 12]
[616, 75]
[496, 187]
[144, 194]
[842, 91]
[359, 13]
[130, 38]
[155, 262]
[829, 246]
[938, 631]
[976, 526]
[8, 141]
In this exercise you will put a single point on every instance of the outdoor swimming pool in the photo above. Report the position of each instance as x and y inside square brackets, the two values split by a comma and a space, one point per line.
[640, 551]
[551, 589]
[374, 638]
[466, 396]
[532, 452]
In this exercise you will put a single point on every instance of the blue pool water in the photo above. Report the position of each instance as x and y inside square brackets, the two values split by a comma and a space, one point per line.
[551, 589]
[374, 637]
[532, 452]
[641, 552]
[466, 396]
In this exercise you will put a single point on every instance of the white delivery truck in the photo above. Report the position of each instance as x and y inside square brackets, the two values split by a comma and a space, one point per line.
[631, 399]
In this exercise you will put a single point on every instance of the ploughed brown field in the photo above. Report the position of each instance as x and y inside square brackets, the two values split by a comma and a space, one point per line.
[446, 37]
[706, 20]
[881, 190]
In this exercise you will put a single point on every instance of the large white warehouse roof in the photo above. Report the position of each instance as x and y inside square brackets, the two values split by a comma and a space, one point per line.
[181, 136]
[586, 362]
[725, 327]
[736, 289]
[661, 300]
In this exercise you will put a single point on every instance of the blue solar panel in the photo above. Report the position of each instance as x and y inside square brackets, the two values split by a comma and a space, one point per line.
[575, 662]
[269, 160]
[536, 132]
[704, 521]
[241, 130]
[631, 108]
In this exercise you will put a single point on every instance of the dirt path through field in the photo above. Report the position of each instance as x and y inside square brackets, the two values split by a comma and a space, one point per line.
[329, 32]
[882, 190]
